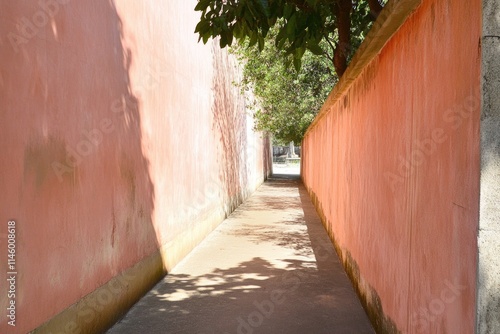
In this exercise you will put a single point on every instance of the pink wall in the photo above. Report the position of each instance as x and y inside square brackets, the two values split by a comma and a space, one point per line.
[126, 86]
[393, 165]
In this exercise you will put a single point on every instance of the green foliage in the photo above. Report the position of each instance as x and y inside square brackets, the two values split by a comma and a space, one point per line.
[300, 24]
[286, 100]
[304, 33]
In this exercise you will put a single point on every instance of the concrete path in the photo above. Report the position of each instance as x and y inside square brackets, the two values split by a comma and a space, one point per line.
[268, 268]
[284, 169]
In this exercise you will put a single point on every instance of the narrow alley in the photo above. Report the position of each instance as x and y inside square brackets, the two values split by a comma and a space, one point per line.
[271, 269]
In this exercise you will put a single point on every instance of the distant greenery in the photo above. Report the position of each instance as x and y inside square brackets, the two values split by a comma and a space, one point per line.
[286, 100]
[318, 37]
[323, 27]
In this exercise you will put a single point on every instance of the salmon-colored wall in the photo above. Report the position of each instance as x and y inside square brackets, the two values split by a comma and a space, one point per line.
[120, 134]
[393, 164]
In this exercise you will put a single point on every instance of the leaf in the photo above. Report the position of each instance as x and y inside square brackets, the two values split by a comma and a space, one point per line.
[202, 5]
[288, 10]
[299, 52]
[315, 48]
[238, 30]
[261, 43]
[253, 39]
[229, 38]
[249, 17]
[202, 26]
[264, 28]
[290, 26]
[206, 36]
[223, 41]
[281, 35]
[239, 10]
[297, 63]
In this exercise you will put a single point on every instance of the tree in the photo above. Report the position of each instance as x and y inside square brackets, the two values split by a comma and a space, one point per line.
[286, 100]
[324, 27]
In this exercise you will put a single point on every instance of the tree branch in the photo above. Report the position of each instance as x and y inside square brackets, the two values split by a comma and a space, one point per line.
[332, 47]
[344, 30]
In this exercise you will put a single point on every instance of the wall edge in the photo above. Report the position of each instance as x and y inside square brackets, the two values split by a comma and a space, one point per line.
[392, 17]
[102, 308]
[368, 296]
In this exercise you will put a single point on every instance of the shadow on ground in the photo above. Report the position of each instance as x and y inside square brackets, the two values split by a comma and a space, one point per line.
[273, 270]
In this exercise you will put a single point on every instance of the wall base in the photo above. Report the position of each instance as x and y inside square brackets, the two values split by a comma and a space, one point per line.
[99, 310]
[369, 298]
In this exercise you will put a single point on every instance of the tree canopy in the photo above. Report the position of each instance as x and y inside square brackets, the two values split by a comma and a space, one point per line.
[324, 27]
[286, 100]
[317, 36]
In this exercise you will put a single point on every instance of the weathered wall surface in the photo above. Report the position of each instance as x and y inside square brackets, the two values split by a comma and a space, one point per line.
[488, 304]
[123, 143]
[392, 162]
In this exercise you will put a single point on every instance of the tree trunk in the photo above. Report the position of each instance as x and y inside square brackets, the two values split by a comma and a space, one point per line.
[292, 150]
[344, 29]
[375, 7]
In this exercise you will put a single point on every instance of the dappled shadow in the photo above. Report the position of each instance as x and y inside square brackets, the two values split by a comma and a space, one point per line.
[295, 285]
[320, 241]
[237, 285]
[290, 234]
[229, 121]
[253, 295]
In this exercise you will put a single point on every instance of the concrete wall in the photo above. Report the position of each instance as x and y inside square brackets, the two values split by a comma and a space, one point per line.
[393, 161]
[123, 142]
[488, 307]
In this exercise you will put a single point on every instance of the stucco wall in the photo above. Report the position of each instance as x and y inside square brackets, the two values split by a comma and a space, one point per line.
[392, 162]
[488, 304]
[122, 138]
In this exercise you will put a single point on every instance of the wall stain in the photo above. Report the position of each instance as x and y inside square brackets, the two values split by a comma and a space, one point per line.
[128, 175]
[39, 156]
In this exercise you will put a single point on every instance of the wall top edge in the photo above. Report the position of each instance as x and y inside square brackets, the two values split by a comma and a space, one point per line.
[390, 19]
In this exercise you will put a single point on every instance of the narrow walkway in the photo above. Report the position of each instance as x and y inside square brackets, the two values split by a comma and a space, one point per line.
[268, 268]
